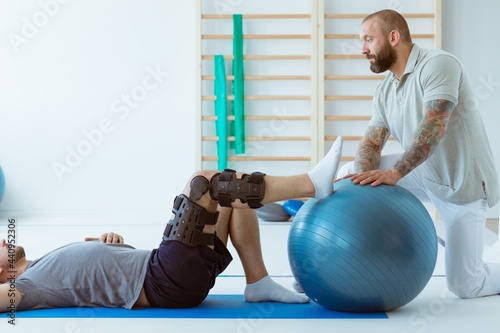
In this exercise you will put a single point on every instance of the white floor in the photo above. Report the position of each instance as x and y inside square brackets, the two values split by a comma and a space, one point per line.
[434, 310]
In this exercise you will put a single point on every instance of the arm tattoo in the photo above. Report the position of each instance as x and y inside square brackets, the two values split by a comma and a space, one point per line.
[427, 135]
[368, 154]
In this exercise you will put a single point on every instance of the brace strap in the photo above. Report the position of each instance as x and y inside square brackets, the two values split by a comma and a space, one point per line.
[226, 188]
[187, 224]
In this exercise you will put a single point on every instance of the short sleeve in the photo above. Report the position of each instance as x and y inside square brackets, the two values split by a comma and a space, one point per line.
[440, 78]
[377, 119]
[31, 298]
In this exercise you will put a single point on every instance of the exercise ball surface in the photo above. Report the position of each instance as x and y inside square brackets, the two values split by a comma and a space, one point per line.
[363, 248]
[292, 206]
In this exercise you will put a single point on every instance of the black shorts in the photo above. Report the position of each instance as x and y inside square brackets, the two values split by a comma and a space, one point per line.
[180, 276]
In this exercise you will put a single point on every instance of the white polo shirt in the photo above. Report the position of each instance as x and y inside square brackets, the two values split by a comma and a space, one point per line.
[463, 160]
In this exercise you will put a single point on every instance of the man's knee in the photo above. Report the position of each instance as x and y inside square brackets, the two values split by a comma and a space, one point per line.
[200, 184]
[463, 288]
[187, 224]
[226, 187]
[204, 173]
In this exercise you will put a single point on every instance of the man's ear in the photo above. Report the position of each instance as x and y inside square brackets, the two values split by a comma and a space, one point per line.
[394, 37]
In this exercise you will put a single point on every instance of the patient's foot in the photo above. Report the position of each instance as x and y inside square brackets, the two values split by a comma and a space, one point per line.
[323, 174]
[266, 290]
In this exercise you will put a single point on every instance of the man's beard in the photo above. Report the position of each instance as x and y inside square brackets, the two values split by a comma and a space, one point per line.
[19, 254]
[384, 60]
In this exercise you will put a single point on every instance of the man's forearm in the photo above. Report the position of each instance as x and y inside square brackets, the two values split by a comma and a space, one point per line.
[366, 159]
[368, 154]
[427, 135]
[411, 159]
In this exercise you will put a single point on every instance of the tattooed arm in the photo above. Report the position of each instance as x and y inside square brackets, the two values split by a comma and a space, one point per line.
[427, 136]
[370, 148]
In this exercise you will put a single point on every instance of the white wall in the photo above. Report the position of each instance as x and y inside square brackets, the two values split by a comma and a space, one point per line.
[97, 107]
[468, 29]
[73, 68]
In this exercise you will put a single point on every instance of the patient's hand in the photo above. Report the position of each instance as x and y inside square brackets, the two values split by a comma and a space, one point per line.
[108, 237]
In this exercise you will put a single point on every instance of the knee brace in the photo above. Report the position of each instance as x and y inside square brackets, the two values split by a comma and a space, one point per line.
[226, 188]
[187, 224]
[199, 185]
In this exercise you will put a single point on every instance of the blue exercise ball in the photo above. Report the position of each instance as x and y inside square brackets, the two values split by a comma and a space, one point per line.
[292, 206]
[363, 248]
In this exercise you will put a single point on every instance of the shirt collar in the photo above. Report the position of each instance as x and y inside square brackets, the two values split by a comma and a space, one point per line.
[412, 59]
[410, 64]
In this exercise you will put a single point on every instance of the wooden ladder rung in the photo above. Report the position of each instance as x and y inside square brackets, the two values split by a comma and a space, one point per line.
[348, 98]
[362, 16]
[261, 77]
[346, 118]
[344, 137]
[262, 57]
[257, 16]
[261, 98]
[354, 77]
[261, 138]
[355, 36]
[345, 56]
[253, 36]
[260, 158]
[270, 158]
[213, 118]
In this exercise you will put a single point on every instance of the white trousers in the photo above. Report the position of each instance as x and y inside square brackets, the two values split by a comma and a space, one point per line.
[467, 275]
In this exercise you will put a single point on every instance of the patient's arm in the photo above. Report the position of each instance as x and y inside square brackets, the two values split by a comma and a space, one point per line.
[9, 297]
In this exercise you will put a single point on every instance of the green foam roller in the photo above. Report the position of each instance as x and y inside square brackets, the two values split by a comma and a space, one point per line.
[220, 92]
[238, 86]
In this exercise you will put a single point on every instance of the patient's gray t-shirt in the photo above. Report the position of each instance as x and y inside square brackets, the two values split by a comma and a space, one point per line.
[84, 274]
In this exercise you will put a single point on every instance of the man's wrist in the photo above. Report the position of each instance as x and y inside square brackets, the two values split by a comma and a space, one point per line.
[395, 173]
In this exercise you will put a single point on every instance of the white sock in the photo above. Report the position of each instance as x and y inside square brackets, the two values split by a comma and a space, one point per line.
[266, 290]
[323, 174]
